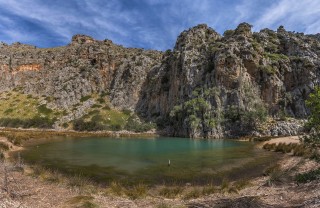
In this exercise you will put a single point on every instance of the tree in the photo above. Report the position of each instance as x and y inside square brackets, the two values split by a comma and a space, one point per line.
[313, 103]
[197, 113]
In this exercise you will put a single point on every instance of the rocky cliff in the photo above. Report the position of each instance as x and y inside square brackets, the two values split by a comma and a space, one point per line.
[209, 85]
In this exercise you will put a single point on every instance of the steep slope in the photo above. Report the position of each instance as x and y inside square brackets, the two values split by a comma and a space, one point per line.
[69, 77]
[209, 85]
[212, 86]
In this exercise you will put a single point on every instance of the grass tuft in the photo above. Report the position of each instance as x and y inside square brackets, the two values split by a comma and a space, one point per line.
[137, 191]
[82, 202]
[170, 192]
[193, 194]
[116, 189]
[207, 190]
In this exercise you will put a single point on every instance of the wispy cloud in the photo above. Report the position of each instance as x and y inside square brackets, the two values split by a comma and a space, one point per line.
[144, 23]
[303, 15]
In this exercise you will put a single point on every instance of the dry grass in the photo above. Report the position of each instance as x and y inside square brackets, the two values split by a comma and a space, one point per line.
[210, 189]
[170, 192]
[82, 201]
[226, 187]
[117, 189]
[193, 194]
[300, 150]
[137, 191]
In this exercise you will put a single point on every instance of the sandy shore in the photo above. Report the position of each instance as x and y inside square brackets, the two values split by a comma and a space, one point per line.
[283, 192]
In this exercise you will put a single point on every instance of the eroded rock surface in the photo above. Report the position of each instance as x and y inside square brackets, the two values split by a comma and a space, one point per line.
[237, 72]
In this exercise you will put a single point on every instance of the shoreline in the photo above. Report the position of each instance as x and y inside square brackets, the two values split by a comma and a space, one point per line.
[281, 193]
[55, 132]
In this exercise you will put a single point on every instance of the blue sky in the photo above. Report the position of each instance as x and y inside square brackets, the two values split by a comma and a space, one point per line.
[150, 24]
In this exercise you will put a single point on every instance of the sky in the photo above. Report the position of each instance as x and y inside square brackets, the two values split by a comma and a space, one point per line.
[149, 24]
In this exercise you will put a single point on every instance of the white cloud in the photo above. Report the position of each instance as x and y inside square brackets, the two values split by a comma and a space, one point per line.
[151, 23]
[304, 15]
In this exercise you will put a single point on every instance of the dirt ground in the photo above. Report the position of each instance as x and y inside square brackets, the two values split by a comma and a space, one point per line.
[22, 189]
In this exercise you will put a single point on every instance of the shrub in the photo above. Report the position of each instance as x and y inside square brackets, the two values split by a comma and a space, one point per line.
[44, 110]
[101, 100]
[115, 127]
[127, 112]
[309, 176]
[276, 56]
[85, 98]
[106, 107]
[134, 124]
[313, 103]
[4, 146]
[81, 125]
[228, 33]
[35, 122]
[65, 125]
[96, 106]
[275, 174]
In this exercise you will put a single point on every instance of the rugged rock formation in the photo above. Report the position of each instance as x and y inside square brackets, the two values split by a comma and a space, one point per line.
[209, 85]
[83, 67]
[245, 69]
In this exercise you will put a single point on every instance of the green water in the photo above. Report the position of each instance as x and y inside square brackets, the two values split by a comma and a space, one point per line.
[146, 160]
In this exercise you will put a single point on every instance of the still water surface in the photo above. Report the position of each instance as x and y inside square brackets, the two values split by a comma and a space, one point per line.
[132, 160]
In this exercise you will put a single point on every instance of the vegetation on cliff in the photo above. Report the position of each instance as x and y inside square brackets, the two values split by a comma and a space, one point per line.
[256, 77]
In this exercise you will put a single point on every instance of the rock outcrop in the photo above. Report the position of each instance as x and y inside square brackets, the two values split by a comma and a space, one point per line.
[209, 85]
[84, 67]
[244, 70]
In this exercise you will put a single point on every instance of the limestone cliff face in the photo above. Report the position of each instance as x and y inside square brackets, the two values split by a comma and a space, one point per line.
[83, 67]
[274, 69]
[202, 88]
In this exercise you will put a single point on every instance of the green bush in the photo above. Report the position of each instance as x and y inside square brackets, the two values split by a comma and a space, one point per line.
[127, 112]
[44, 110]
[228, 33]
[248, 119]
[85, 98]
[35, 122]
[81, 125]
[134, 124]
[309, 176]
[313, 102]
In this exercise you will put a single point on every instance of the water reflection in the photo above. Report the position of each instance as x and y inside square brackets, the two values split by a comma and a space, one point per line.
[146, 158]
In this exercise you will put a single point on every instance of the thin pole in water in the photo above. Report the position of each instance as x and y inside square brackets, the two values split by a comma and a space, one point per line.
[169, 163]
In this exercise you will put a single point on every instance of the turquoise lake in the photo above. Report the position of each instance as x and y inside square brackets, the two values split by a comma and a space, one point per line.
[146, 160]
